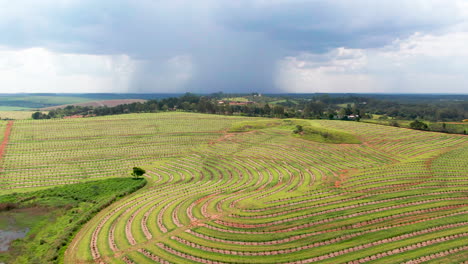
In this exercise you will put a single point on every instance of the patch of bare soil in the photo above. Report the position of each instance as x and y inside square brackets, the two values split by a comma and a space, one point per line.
[224, 137]
[343, 175]
[228, 136]
[5, 141]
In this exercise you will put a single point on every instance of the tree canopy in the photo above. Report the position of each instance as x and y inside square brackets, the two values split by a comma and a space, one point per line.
[419, 125]
[138, 172]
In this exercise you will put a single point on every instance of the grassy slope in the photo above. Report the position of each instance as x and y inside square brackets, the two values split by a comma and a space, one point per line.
[311, 130]
[54, 215]
[452, 127]
[255, 124]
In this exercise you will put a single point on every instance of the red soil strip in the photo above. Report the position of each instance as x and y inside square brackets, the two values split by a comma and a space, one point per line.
[225, 137]
[343, 176]
[205, 198]
[73, 116]
[5, 141]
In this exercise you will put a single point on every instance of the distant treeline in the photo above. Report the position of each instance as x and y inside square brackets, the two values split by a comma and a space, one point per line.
[316, 107]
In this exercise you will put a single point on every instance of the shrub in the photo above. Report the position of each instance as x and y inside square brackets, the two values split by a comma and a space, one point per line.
[138, 172]
[299, 129]
[419, 125]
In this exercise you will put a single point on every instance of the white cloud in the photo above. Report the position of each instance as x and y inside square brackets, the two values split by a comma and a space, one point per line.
[303, 75]
[447, 45]
[40, 70]
[421, 63]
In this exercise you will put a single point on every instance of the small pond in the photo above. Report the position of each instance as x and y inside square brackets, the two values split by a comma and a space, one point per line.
[7, 236]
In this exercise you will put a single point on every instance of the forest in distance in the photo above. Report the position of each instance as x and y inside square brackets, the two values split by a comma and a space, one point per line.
[442, 113]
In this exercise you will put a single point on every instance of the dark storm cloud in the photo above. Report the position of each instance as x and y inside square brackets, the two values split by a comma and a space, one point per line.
[231, 45]
[320, 25]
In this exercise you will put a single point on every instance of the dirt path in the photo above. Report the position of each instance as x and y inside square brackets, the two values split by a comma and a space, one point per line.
[5, 142]
[224, 137]
[229, 135]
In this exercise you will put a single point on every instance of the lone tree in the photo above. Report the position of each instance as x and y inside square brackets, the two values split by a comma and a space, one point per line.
[419, 125]
[299, 129]
[39, 115]
[138, 172]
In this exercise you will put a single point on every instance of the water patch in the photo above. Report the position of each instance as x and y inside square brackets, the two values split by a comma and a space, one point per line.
[7, 236]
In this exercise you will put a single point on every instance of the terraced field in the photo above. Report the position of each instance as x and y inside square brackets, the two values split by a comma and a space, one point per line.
[44, 153]
[262, 196]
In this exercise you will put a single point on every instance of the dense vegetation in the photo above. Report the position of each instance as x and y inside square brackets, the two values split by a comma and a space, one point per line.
[302, 106]
[327, 135]
[54, 215]
[301, 128]
[444, 127]
[345, 107]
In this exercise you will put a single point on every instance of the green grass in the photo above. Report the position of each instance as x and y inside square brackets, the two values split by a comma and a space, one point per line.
[245, 126]
[311, 130]
[55, 214]
[451, 127]
[320, 134]
[346, 104]
[236, 99]
[283, 101]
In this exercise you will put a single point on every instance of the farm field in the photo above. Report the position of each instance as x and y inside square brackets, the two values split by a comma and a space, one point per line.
[9, 109]
[17, 114]
[259, 196]
[451, 127]
[31, 102]
[34, 102]
[108, 103]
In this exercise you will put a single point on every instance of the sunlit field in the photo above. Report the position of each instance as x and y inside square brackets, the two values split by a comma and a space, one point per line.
[263, 195]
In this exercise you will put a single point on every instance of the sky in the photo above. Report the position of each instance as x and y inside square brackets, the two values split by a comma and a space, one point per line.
[204, 46]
